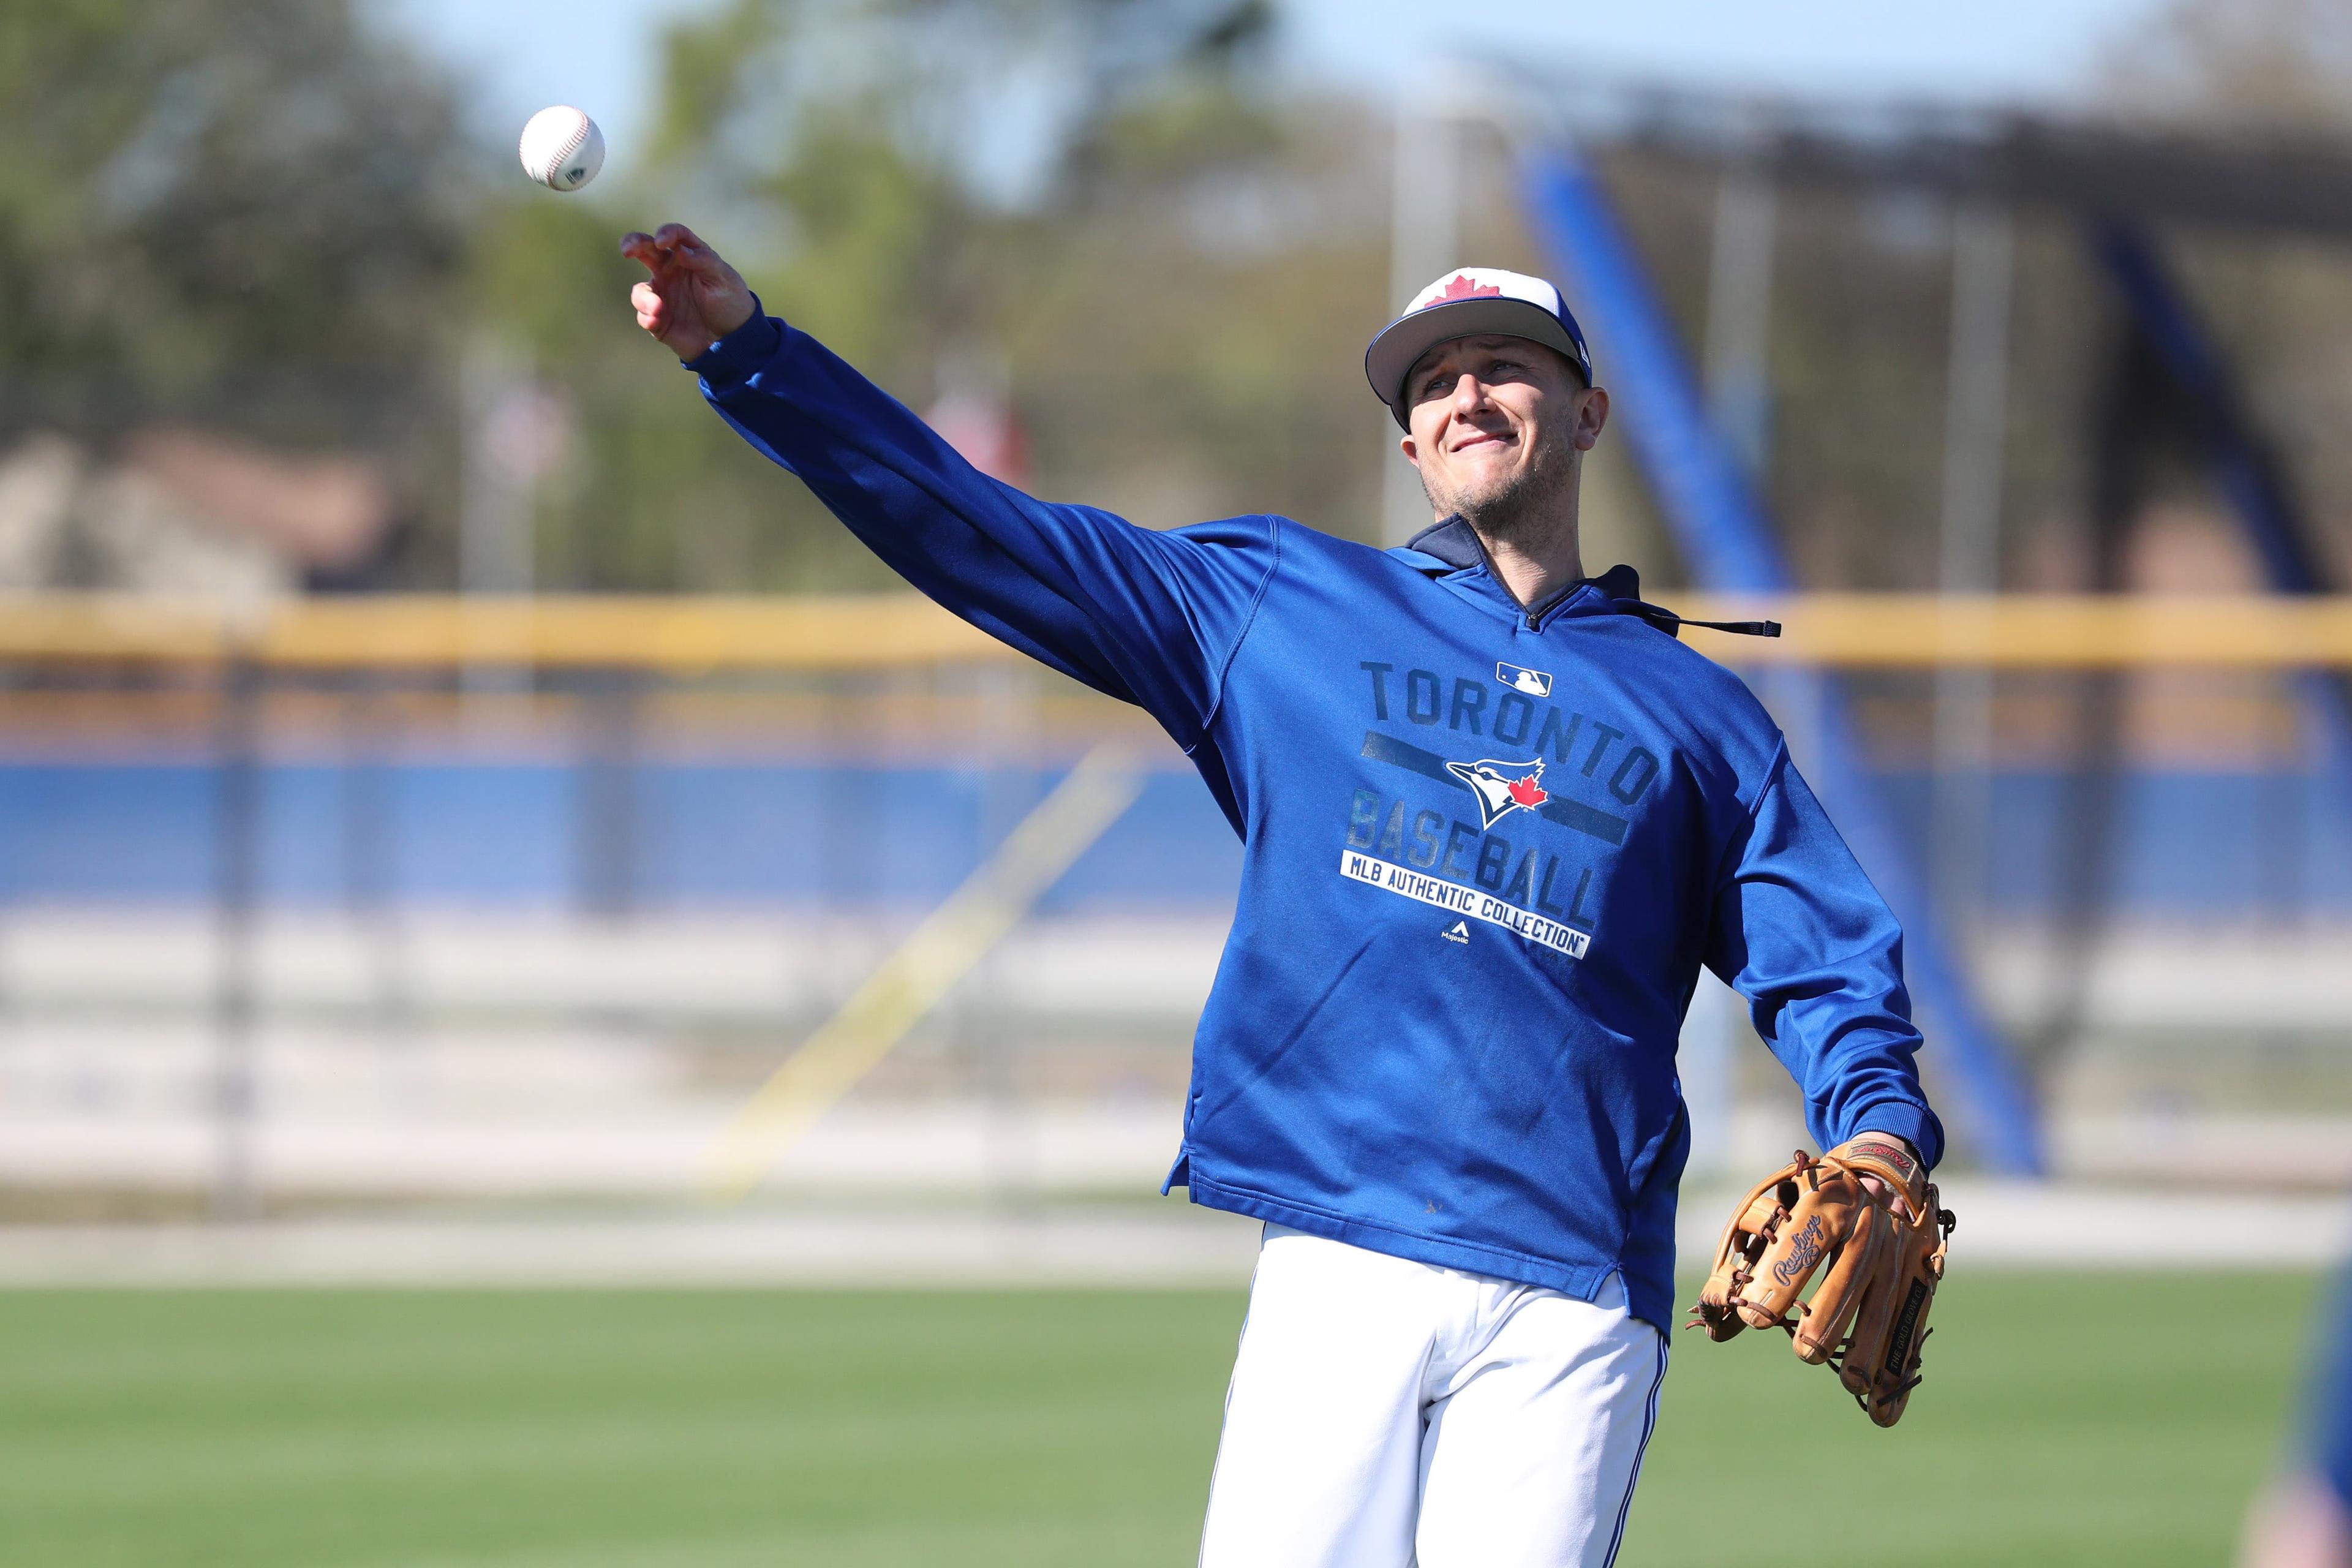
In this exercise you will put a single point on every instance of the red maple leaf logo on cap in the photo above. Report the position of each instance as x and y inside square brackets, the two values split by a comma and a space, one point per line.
[1461, 287]
[1527, 792]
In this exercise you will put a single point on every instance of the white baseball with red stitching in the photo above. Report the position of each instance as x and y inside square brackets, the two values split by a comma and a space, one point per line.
[561, 148]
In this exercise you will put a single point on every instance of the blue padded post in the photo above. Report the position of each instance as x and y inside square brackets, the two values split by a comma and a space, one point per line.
[2243, 469]
[1729, 541]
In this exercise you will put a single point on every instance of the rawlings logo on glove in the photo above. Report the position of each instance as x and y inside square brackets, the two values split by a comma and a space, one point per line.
[1878, 1269]
[1804, 1253]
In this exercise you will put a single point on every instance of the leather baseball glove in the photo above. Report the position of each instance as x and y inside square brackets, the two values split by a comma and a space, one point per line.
[1879, 1270]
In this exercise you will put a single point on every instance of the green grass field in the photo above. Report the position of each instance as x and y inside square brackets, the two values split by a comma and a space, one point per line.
[2072, 1420]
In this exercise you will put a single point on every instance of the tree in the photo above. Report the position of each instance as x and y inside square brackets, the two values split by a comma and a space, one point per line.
[849, 156]
[2246, 64]
[250, 208]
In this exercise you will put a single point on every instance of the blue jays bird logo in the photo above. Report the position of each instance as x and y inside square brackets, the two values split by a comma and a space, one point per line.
[1502, 787]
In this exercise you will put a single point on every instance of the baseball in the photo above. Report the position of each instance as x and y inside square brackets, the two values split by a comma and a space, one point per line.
[561, 148]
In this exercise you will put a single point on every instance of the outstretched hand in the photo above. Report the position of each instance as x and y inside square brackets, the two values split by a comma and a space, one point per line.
[693, 297]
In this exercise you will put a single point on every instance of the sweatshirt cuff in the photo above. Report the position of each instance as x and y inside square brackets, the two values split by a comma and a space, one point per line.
[737, 357]
[1916, 1123]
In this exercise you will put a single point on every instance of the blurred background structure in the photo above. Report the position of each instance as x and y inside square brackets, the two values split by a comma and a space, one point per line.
[448, 919]
[445, 774]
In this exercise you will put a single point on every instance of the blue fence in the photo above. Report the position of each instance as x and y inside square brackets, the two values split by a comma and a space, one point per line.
[668, 834]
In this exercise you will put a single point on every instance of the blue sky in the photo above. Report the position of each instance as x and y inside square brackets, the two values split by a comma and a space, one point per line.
[523, 55]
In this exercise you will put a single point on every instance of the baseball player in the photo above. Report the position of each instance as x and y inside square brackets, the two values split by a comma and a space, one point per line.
[1495, 816]
[2306, 1521]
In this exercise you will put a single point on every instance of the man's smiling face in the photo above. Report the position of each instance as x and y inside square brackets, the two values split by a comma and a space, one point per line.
[1497, 424]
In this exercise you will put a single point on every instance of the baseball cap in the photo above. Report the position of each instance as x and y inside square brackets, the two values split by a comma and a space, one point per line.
[1468, 302]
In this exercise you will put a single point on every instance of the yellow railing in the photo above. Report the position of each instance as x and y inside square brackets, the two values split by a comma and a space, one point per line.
[676, 635]
[686, 636]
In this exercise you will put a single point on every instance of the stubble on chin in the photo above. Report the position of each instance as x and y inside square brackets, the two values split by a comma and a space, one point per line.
[1519, 508]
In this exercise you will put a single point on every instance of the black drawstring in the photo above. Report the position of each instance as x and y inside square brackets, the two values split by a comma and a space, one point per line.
[1452, 541]
[1669, 622]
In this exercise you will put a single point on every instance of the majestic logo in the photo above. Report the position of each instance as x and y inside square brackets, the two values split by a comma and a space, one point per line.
[1502, 787]
[1457, 932]
[1534, 682]
[1804, 1251]
[1461, 285]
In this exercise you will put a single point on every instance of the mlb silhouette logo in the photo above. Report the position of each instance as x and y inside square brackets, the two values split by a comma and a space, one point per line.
[1534, 682]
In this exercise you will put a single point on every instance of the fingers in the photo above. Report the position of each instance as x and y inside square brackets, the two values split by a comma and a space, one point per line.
[1887, 1190]
[692, 293]
[652, 310]
[673, 245]
[1894, 1195]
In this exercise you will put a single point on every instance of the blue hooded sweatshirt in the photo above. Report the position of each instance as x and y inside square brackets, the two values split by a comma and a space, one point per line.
[2331, 1399]
[1486, 848]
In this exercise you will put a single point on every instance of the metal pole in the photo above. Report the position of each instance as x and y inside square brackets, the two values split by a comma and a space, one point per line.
[496, 495]
[1975, 414]
[237, 806]
[1008, 741]
[1739, 399]
[370, 839]
[849, 903]
[1425, 231]
[607, 832]
[1739, 313]
[494, 553]
[1706, 1063]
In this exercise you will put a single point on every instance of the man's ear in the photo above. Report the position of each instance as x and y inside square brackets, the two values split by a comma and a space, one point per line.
[1591, 415]
[1411, 452]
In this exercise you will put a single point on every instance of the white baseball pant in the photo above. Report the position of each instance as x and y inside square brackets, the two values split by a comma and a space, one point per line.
[1388, 1414]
